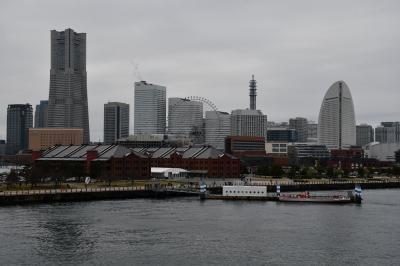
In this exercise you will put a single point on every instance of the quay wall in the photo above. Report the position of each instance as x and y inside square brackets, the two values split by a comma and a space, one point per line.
[69, 196]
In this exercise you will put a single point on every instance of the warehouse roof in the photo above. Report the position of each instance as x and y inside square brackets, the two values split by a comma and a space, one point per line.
[105, 152]
[78, 152]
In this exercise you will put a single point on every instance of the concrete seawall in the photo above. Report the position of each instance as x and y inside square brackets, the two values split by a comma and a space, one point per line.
[51, 196]
[110, 193]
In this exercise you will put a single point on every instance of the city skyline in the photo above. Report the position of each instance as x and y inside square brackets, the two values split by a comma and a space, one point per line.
[362, 51]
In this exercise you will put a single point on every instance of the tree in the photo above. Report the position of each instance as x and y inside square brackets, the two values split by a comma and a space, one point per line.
[338, 172]
[361, 172]
[330, 172]
[396, 171]
[263, 170]
[12, 178]
[293, 171]
[304, 171]
[397, 156]
[276, 170]
[33, 175]
[272, 170]
[311, 173]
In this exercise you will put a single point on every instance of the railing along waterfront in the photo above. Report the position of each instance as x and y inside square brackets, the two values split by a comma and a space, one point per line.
[188, 189]
[68, 190]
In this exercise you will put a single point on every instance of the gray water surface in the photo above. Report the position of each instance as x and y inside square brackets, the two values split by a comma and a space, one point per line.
[189, 232]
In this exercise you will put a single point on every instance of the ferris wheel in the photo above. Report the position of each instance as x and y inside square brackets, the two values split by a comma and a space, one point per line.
[186, 119]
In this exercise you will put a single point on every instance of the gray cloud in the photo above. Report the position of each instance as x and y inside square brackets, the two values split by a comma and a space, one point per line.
[296, 49]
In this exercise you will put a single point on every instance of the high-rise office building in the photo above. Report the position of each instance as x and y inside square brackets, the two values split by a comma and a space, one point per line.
[248, 123]
[19, 120]
[281, 135]
[312, 132]
[365, 134]
[388, 132]
[185, 118]
[2, 147]
[68, 101]
[217, 128]
[336, 122]
[150, 108]
[299, 124]
[116, 121]
[41, 114]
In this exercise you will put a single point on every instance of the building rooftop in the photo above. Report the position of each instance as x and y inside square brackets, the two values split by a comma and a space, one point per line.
[246, 112]
[105, 152]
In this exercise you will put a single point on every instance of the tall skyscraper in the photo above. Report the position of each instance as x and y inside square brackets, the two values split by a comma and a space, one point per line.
[2, 147]
[116, 121]
[150, 108]
[185, 118]
[299, 124]
[365, 134]
[68, 102]
[248, 123]
[217, 128]
[388, 132]
[19, 120]
[41, 112]
[336, 122]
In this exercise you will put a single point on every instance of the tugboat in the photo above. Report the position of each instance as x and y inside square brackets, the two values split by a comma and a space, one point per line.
[305, 197]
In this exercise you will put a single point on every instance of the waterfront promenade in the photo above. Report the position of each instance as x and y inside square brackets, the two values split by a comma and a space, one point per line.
[68, 190]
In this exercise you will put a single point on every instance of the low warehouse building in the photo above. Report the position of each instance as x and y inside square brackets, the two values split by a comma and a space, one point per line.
[97, 161]
[205, 160]
[116, 161]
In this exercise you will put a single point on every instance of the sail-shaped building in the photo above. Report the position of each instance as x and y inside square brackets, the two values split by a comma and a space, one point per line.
[336, 122]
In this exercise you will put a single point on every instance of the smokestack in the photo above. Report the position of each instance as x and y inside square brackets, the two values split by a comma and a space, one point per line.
[253, 93]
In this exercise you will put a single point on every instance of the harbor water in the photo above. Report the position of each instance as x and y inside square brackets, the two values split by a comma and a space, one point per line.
[186, 231]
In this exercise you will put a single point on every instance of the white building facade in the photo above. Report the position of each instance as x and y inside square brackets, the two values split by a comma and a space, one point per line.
[365, 134]
[150, 108]
[382, 151]
[185, 117]
[246, 122]
[388, 132]
[336, 122]
[217, 128]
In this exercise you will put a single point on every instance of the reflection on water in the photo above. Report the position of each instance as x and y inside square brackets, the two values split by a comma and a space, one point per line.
[65, 230]
[190, 232]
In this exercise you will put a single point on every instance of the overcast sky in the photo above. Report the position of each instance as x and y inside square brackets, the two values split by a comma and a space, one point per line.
[296, 49]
